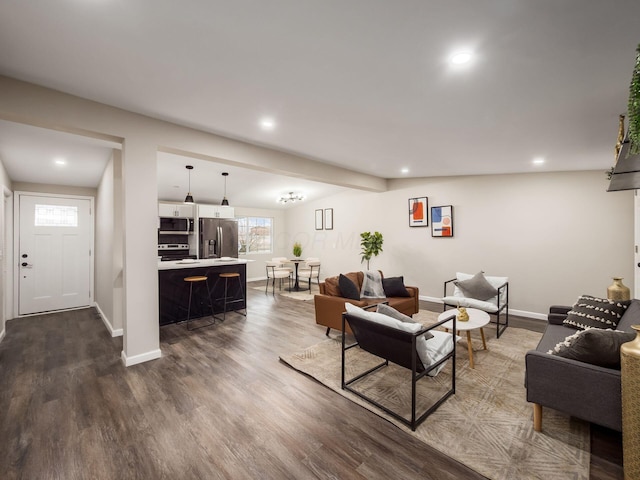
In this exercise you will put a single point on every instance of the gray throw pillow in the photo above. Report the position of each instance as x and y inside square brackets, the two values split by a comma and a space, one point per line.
[595, 346]
[477, 287]
[348, 289]
[594, 312]
[392, 312]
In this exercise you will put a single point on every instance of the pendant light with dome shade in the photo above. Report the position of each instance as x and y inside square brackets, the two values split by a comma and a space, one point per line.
[224, 198]
[189, 197]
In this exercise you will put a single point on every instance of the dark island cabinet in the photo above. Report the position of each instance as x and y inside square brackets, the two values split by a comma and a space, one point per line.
[174, 291]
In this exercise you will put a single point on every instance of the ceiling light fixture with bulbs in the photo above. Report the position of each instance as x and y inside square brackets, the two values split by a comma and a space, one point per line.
[224, 198]
[189, 197]
[292, 197]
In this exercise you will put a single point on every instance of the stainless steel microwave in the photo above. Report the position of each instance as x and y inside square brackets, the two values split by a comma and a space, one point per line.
[174, 225]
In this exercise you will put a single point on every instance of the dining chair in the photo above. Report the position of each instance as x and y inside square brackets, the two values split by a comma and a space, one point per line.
[273, 273]
[310, 270]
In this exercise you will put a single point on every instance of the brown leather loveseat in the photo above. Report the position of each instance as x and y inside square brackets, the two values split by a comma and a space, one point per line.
[329, 304]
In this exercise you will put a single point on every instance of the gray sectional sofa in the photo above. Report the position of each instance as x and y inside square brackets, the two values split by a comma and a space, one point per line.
[583, 390]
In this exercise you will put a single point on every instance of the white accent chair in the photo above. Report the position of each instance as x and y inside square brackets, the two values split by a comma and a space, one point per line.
[310, 270]
[497, 305]
[274, 273]
[281, 263]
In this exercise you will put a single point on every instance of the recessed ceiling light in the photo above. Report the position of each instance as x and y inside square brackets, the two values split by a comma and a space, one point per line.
[538, 161]
[404, 170]
[60, 161]
[268, 123]
[461, 58]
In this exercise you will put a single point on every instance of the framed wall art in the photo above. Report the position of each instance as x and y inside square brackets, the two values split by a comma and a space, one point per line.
[442, 221]
[319, 219]
[328, 218]
[418, 216]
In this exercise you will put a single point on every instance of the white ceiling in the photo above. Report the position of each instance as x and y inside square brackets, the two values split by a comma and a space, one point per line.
[361, 83]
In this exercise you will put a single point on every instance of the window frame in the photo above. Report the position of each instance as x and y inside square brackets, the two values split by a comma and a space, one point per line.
[250, 224]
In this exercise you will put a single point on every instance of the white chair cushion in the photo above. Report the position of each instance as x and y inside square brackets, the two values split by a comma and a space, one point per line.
[488, 306]
[437, 347]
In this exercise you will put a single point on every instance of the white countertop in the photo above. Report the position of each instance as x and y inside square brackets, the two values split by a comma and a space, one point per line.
[205, 262]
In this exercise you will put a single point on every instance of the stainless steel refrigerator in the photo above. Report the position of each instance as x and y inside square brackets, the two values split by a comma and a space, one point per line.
[218, 237]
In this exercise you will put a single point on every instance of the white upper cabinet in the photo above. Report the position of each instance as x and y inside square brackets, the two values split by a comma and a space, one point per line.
[175, 210]
[215, 211]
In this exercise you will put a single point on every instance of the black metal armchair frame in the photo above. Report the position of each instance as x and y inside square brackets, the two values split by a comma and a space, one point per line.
[500, 308]
[399, 347]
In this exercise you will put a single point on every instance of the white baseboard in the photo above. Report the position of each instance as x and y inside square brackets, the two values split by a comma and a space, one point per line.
[520, 313]
[256, 279]
[118, 332]
[141, 358]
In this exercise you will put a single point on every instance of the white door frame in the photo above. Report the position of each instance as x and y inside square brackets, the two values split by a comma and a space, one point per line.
[16, 243]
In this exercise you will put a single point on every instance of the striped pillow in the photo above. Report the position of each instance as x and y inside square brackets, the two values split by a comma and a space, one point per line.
[593, 312]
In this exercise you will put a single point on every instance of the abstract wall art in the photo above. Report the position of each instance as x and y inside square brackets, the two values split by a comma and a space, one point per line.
[418, 216]
[442, 221]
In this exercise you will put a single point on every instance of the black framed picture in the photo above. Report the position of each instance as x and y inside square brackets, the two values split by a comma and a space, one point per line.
[328, 218]
[442, 221]
[319, 219]
[418, 216]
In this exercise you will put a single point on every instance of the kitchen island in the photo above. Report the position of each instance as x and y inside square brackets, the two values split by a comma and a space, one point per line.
[174, 291]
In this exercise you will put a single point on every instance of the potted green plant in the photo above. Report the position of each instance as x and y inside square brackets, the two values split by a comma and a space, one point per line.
[371, 244]
[297, 249]
[633, 109]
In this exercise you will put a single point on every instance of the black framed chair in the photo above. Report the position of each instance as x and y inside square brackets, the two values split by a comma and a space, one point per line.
[399, 347]
[497, 306]
[310, 271]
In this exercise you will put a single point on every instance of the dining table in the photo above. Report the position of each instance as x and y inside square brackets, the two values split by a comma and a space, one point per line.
[296, 285]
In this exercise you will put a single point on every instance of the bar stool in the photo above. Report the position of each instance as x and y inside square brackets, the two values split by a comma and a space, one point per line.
[191, 281]
[226, 300]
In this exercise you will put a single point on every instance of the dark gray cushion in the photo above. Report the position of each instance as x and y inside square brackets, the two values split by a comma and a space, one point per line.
[394, 287]
[477, 287]
[594, 312]
[631, 317]
[595, 346]
[348, 289]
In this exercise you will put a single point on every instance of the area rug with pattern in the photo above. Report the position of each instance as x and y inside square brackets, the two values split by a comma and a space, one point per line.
[487, 425]
[303, 295]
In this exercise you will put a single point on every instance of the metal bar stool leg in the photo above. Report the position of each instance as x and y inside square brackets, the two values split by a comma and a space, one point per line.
[226, 299]
[191, 280]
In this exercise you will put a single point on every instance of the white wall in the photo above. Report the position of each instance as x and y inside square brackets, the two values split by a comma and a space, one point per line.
[107, 287]
[555, 235]
[6, 248]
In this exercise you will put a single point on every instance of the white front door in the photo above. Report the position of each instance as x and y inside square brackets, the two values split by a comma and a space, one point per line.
[54, 255]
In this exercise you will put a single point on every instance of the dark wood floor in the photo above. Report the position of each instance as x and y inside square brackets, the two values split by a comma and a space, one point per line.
[218, 404]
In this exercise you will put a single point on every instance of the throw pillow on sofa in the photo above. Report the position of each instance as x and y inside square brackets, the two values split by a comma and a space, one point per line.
[372, 285]
[595, 346]
[477, 287]
[348, 289]
[594, 312]
[394, 287]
